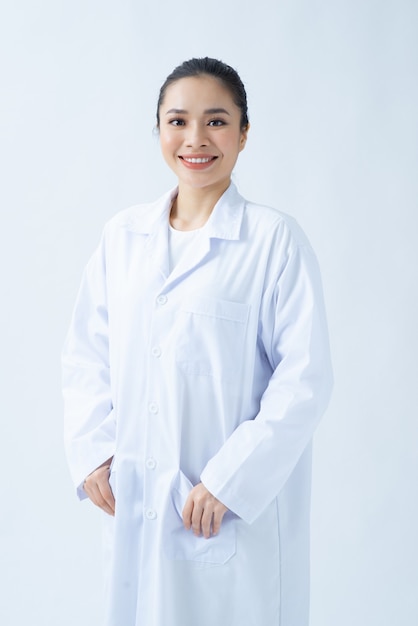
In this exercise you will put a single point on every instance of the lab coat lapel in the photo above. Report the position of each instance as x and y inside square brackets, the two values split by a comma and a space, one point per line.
[224, 223]
[157, 247]
[153, 224]
[194, 255]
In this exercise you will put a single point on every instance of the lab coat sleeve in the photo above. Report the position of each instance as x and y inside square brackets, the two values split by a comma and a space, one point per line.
[253, 465]
[89, 423]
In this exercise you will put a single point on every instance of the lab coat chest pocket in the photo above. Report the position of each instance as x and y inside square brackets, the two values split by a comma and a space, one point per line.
[183, 545]
[212, 337]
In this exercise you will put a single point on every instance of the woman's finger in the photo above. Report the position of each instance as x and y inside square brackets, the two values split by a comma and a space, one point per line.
[206, 521]
[106, 492]
[218, 516]
[197, 518]
[187, 512]
[96, 497]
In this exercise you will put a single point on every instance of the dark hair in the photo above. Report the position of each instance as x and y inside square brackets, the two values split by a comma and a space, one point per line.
[209, 67]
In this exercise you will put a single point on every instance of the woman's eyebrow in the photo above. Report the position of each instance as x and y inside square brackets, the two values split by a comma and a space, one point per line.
[176, 111]
[213, 111]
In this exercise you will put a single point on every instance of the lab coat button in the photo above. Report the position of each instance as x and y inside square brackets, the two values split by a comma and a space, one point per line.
[150, 514]
[156, 351]
[153, 407]
[162, 299]
[151, 463]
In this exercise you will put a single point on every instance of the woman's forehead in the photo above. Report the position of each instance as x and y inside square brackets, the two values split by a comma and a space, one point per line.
[205, 92]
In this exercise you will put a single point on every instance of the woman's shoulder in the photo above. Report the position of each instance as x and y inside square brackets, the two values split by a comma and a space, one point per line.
[276, 222]
[140, 217]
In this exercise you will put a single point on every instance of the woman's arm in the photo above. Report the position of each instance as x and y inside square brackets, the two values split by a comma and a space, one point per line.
[253, 465]
[90, 428]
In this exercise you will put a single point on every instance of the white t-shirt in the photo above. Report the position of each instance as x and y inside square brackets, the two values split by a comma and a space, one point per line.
[178, 242]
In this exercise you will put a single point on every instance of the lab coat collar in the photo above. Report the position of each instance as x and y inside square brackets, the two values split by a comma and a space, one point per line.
[223, 223]
[226, 217]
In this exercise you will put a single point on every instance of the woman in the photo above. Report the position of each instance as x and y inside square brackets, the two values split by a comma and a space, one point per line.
[196, 369]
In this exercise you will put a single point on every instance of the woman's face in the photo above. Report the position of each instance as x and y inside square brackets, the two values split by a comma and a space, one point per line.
[200, 132]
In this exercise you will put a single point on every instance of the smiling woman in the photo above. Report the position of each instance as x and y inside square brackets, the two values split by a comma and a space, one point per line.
[201, 136]
[196, 369]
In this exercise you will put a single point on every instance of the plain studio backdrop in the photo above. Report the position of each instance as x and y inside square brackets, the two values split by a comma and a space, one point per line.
[332, 88]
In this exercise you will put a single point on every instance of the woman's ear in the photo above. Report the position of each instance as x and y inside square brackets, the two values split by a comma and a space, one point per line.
[244, 135]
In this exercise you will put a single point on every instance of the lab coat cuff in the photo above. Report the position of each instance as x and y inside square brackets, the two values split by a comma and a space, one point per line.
[81, 494]
[82, 469]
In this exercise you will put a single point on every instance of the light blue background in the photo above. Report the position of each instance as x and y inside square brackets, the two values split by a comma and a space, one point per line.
[332, 89]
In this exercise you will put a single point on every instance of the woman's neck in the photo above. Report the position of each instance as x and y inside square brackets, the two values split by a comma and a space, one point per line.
[192, 207]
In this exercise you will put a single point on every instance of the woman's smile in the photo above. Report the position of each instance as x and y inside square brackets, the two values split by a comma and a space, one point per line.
[197, 161]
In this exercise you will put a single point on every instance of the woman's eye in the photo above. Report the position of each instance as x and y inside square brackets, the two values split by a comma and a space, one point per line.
[216, 123]
[176, 122]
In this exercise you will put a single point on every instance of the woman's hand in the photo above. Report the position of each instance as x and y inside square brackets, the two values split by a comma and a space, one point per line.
[203, 512]
[98, 489]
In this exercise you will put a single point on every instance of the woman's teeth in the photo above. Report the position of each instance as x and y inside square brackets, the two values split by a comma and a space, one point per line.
[193, 160]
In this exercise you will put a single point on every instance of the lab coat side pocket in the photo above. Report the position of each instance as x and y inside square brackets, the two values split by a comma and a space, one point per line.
[183, 545]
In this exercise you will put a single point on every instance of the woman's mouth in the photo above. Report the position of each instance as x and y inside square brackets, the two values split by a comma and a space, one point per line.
[197, 162]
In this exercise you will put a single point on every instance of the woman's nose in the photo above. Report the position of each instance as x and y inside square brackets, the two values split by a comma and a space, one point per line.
[196, 136]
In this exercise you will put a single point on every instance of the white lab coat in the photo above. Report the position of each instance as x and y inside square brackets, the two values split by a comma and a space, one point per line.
[216, 372]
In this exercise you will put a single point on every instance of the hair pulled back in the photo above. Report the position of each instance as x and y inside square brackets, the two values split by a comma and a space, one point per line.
[209, 67]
